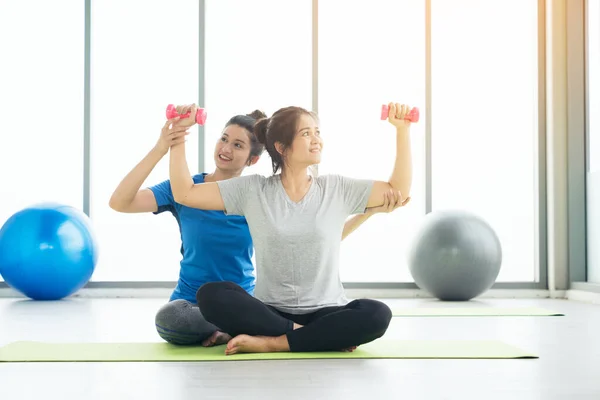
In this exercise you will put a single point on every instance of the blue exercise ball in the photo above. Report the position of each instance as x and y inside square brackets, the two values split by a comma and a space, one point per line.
[47, 251]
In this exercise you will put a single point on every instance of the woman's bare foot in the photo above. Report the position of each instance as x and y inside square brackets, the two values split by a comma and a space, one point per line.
[257, 344]
[216, 339]
[349, 349]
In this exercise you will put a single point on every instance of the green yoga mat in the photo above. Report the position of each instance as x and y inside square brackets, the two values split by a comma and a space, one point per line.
[472, 312]
[112, 352]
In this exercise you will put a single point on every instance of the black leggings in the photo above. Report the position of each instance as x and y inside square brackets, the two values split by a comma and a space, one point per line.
[236, 312]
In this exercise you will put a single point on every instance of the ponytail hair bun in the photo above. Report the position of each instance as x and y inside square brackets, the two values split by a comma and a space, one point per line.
[260, 130]
[257, 114]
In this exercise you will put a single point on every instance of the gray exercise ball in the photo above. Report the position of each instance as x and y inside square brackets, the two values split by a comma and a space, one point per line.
[455, 255]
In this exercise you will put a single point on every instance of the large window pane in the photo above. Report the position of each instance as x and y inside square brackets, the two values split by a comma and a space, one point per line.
[593, 140]
[144, 56]
[485, 113]
[371, 53]
[41, 103]
[257, 57]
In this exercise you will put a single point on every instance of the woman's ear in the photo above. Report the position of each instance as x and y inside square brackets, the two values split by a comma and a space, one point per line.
[279, 148]
[253, 160]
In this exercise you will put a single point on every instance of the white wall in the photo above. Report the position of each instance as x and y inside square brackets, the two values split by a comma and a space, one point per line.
[593, 143]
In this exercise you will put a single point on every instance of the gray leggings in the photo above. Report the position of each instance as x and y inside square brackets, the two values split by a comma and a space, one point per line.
[181, 322]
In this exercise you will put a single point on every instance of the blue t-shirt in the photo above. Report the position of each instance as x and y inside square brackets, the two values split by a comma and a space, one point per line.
[215, 247]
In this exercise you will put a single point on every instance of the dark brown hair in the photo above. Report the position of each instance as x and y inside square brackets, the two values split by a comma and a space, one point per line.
[281, 127]
[247, 122]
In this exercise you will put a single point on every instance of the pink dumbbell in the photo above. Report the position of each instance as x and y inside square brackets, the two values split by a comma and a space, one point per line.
[200, 114]
[413, 115]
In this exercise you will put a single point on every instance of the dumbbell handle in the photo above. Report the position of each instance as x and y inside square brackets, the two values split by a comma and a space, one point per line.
[200, 114]
[412, 116]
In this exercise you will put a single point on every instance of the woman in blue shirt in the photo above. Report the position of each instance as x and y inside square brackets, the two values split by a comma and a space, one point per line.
[215, 247]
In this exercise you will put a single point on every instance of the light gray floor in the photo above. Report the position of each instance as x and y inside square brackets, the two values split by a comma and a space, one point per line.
[568, 367]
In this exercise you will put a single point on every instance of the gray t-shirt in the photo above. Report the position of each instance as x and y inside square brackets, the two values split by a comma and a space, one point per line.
[297, 244]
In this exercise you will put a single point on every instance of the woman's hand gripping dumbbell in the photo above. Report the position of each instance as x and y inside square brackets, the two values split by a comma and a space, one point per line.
[190, 114]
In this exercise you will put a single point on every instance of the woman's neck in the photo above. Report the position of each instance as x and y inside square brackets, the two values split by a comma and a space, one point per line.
[296, 180]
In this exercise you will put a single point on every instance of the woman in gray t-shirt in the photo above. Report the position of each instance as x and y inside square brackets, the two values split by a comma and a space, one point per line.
[296, 222]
